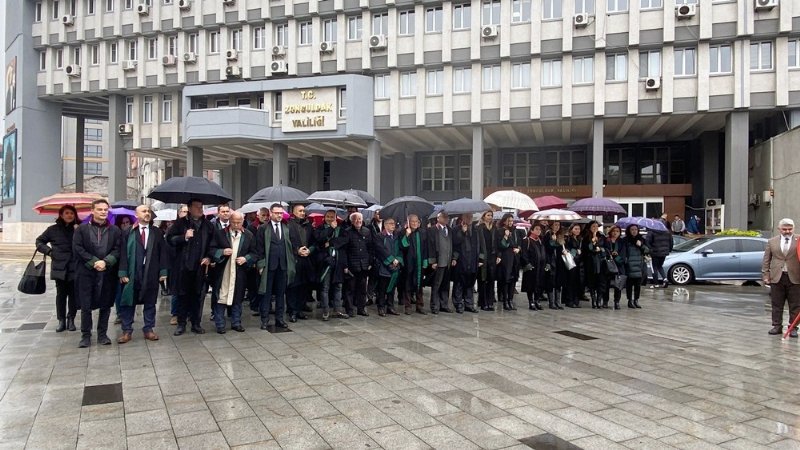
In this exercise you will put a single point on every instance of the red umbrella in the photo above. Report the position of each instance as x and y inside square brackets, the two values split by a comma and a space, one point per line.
[52, 203]
[550, 202]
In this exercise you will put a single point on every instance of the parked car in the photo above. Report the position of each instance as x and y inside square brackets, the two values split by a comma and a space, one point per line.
[716, 258]
[677, 239]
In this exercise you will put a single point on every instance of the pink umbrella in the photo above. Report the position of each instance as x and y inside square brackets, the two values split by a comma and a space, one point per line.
[550, 202]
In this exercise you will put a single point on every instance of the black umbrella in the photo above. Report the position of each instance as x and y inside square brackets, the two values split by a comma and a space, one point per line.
[279, 193]
[337, 198]
[186, 189]
[465, 206]
[401, 207]
[127, 204]
[364, 195]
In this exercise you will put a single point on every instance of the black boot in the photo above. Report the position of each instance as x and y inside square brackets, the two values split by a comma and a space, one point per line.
[506, 306]
[531, 304]
[551, 299]
[511, 305]
[537, 305]
[595, 303]
[62, 325]
[558, 299]
[636, 304]
[630, 304]
[71, 324]
[616, 304]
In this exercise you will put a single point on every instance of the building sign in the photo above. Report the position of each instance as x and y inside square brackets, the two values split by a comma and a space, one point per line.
[8, 175]
[11, 85]
[309, 110]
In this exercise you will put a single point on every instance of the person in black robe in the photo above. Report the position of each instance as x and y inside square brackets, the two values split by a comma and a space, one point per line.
[487, 274]
[301, 233]
[466, 244]
[144, 264]
[535, 266]
[507, 269]
[389, 262]
[414, 245]
[96, 248]
[233, 265]
[331, 261]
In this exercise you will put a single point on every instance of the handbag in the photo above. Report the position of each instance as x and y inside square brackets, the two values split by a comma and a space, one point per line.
[619, 281]
[611, 266]
[569, 261]
[33, 281]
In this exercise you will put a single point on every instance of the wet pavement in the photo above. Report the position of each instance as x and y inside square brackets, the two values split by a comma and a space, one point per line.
[694, 368]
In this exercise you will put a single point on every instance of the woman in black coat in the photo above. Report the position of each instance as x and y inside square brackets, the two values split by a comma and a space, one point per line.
[56, 242]
[635, 249]
[534, 262]
[487, 274]
[507, 269]
[557, 277]
[616, 251]
[593, 256]
[573, 246]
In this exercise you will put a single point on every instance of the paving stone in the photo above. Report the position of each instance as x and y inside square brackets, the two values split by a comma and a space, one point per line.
[191, 423]
[147, 422]
[246, 430]
[162, 440]
[206, 441]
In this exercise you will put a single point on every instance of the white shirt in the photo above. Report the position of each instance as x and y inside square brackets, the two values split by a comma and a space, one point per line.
[146, 229]
[276, 228]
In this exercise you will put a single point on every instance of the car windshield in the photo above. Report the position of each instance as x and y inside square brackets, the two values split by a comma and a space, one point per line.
[690, 244]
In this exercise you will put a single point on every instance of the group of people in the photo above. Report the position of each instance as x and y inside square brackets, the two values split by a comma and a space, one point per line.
[280, 265]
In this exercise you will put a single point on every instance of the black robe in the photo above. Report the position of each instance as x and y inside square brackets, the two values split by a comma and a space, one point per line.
[188, 254]
[247, 244]
[533, 256]
[508, 269]
[151, 263]
[468, 248]
[330, 258]
[415, 257]
[302, 235]
[91, 243]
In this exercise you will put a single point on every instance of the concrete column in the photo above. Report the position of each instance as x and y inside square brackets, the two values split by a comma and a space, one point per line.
[597, 158]
[737, 127]
[172, 168]
[280, 164]
[264, 175]
[226, 178]
[794, 119]
[194, 161]
[117, 157]
[79, 155]
[477, 162]
[374, 168]
[398, 167]
[709, 142]
[240, 181]
[317, 173]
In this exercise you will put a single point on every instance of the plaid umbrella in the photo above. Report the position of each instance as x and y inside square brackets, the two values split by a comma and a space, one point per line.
[642, 222]
[511, 200]
[597, 206]
[51, 204]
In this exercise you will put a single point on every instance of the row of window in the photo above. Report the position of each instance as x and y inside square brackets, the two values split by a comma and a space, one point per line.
[147, 108]
[71, 7]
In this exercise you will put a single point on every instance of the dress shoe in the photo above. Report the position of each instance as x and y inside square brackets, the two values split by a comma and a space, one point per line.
[573, 305]
[221, 331]
[434, 312]
[173, 320]
[636, 304]
[630, 305]
[151, 336]
[125, 338]
[340, 315]
[471, 309]
[392, 312]
[511, 305]
[85, 342]
[793, 333]
[326, 316]
[282, 324]
[293, 318]
[198, 329]
[71, 324]
[363, 312]
[179, 330]
[117, 320]
[421, 311]
[445, 310]
[381, 312]
[302, 316]
[616, 305]
[459, 310]
[62, 325]
[238, 329]
[103, 340]
[264, 326]
[777, 329]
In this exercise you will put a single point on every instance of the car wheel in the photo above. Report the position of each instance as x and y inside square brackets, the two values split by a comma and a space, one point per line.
[681, 274]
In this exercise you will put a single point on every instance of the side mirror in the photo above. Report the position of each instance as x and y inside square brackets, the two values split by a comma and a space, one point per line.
[707, 252]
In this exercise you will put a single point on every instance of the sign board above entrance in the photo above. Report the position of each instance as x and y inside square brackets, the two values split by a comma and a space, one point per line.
[309, 110]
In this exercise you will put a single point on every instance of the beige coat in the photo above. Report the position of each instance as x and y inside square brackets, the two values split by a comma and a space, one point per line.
[774, 260]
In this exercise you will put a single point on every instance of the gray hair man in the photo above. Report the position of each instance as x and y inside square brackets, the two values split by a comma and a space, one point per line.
[781, 270]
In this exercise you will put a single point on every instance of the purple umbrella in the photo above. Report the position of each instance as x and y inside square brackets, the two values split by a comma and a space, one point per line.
[642, 222]
[597, 206]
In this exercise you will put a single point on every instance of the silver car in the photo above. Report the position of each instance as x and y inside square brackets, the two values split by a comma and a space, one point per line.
[716, 258]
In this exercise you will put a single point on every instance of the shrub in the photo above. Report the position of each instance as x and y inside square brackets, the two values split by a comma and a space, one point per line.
[737, 232]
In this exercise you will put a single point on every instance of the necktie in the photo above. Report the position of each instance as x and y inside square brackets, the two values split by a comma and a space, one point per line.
[277, 231]
[143, 237]
[785, 245]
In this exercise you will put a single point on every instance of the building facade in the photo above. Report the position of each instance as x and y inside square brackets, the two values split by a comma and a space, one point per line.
[655, 103]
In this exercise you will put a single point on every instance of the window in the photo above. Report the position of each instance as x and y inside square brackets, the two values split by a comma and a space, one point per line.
[650, 64]
[76, 55]
[110, 5]
[93, 134]
[258, 38]
[243, 102]
[761, 55]
[408, 84]
[342, 103]
[752, 245]
[650, 4]
[277, 100]
[128, 109]
[213, 42]
[166, 108]
[193, 39]
[147, 109]
[222, 103]
[382, 86]
[645, 164]
[152, 48]
[441, 172]
[617, 67]
[172, 45]
[520, 75]
[55, 10]
[329, 30]
[582, 69]
[435, 83]
[562, 167]
[304, 33]
[584, 6]
[520, 11]
[92, 168]
[94, 54]
[128, 4]
[406, 23]
[73, 7]
[721, 246]
[462, 16]
[794, 53]
[685, 61]
[490, 15]
[355, 24]
[551, 73]
[462, 80]
[59, 58]
[433, 20]
[90, 5]
[282, 35]
[42, 60]
[37, 12]
[167, 2]
[617, 5]
[380, 24]
[236, 39]
[93, 151]
[132, 50]
[720, 59]
[552, 9]
[112, 53]
[491, 78]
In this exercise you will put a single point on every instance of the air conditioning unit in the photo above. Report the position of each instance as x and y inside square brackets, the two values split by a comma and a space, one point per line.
[129, 65]
[712, 202]
[277, 67]
[233, 72]
[169, 60]
[766, 197]
[232, 54]
[490, 31]
[190, 57]
[143, 9]
[327, 46]
[754, 200]
[580, 20]
[68, 20]
[73, 70]
[378, 41]
[765, 5]
[652, 83]
[228, 2]
[278, 50]
[685, 11]
[184, 5]
[125, 129]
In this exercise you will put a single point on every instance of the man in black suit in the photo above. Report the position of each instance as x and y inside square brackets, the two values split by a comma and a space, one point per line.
[301, 233]
[359, 253]
[276, 265]
[143, 265]
[442, 258]
[191, 236]
[232, 250]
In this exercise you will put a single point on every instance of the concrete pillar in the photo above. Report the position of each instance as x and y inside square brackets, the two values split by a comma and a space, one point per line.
[709, 142]
[410, 178]
[398, 167]
[264, 175]
[117, 157]
[477, 162]
[172, 168]
[280, 164]
[597, 158]
[226, 178]
[240, 181]
[794, 119]
[317, 169]
[79, 152]
[737, 128]
[194, 161]
[374, 168]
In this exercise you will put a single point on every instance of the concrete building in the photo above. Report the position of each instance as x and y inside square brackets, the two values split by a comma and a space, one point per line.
[654, 102]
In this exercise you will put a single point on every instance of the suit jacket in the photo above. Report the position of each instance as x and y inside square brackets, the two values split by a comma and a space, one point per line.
[441, 250]
[92, 243]
[150, 262]
[774, 260]
[271, 255]
[247, 243]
